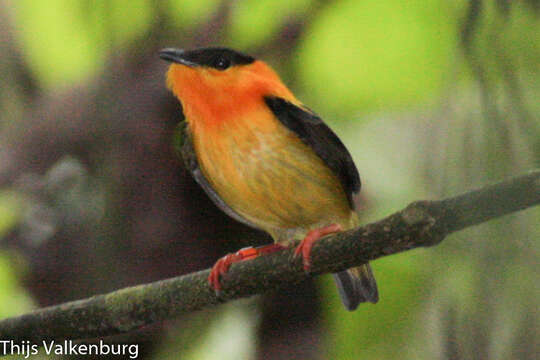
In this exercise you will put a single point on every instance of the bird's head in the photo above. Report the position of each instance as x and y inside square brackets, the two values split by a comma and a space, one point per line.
[216, 81]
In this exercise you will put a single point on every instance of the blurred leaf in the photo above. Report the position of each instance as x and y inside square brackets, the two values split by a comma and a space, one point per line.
[11, 207]
[132, 21]
[372, 55]
[13, 298]
[192, 13]
[232, 336]
[66, 42]
[57, 44]
[227, 332]
[117, 23]
[254, 21]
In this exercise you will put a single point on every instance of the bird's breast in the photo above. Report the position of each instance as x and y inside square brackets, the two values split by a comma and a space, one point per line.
[265, 173]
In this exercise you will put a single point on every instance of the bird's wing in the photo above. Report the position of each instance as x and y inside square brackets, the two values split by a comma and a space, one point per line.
[313, 132]
[183, 144]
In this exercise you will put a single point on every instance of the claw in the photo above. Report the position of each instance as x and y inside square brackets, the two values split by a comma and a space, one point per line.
[221, 266]
[305, 246]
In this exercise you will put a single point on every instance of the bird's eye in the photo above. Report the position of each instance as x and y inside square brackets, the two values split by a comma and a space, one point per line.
[222, 63]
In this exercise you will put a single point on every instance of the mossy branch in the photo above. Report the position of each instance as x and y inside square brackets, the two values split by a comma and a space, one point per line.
[422, 223]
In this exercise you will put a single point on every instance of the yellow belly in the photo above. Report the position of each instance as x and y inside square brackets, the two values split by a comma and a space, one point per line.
[268, 176]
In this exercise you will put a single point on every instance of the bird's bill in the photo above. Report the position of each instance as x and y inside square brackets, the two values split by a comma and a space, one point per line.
[177, 56]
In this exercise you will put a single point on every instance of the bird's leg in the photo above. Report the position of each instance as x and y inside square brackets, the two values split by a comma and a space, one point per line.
[304, 248]
[222, 265]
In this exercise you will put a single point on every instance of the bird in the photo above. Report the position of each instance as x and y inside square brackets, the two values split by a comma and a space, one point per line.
[265, 159]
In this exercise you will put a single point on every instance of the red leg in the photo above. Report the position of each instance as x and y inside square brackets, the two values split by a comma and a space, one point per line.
[223, 264]
[305, 245]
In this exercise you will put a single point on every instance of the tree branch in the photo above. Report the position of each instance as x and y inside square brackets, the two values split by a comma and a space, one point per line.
[422, 223]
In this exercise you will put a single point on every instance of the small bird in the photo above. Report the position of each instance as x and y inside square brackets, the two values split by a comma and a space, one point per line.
[265, 159]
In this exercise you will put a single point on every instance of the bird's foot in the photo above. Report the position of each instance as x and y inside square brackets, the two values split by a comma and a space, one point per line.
[304, 248]
[221, 266]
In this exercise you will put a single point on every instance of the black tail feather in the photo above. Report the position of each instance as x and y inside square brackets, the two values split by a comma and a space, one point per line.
[356, 285]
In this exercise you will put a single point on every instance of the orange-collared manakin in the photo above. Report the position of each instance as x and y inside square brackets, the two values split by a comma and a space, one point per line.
[265, 159]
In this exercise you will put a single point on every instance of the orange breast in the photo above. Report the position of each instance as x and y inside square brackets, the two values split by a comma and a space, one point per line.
[267, 175]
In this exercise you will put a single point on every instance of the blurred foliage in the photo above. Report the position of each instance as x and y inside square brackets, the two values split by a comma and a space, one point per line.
[14, 300]
[187, 13]
[432, 98]
[66, 41]
[206, 342]
[373, 55]
[252, 25]
[10, 211]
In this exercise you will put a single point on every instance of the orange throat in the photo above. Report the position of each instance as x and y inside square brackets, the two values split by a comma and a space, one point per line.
[211, 97]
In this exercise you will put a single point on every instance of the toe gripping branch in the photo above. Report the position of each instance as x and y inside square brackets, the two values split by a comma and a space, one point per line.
[305, 246]
[221, 267]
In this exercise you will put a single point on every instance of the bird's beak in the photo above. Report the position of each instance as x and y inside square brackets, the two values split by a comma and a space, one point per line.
[176, 56]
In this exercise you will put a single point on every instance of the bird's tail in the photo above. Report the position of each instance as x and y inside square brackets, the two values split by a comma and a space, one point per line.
[356, 285]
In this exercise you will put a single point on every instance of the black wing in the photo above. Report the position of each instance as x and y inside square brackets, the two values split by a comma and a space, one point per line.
[315, 133]
[183, 144]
